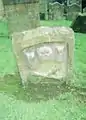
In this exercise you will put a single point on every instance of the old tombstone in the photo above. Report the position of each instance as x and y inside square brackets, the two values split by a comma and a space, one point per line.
[22, 15]
[44, 52]
[43, 7]
[79, 24]
[50, 15]
[74, 1]
[84, 10]
[56, 11]
[72, 11]
[1, 10]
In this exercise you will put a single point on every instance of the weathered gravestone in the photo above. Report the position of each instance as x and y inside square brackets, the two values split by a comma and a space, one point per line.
[43, 7]
[56, 11]
[22, 15]
[79, 24]
[50, 16]
[1, 10]
[84, 10]
[69, 2]
[72, 11]
[44, 52]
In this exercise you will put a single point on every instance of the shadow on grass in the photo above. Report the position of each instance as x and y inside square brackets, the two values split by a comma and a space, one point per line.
[11, 85]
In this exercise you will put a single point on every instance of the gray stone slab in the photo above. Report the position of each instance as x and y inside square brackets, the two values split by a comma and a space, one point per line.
[44, 52]
[1, 10]
[84, 10]
[56, 11]
[22, 16]
[72, 11]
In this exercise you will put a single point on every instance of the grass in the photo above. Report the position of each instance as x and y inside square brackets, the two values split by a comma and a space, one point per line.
[55, 23]
[41, 102]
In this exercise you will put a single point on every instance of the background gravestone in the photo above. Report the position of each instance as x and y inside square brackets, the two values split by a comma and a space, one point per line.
[84, 10]
[79, 24]
[74, 1]
[43, 9]
[1, 10]
[56, 10]
[22, 15]
[44, 52]
[72, 11]
[50, 15]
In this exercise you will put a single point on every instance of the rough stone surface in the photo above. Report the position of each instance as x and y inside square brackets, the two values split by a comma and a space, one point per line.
[43, 7]
[46, 52]
[72, 11]
[74, 1]
[84, 10]
[22, 16]
[1, 10]
[79, 24]
[56, 11]
[10, 2]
